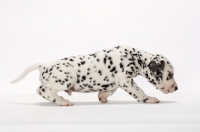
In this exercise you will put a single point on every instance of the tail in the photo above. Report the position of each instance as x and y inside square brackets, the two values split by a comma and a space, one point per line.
[29, 69]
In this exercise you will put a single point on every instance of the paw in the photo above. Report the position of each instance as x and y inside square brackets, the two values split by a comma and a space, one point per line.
[102, 98]
[151, 100]
[65, 103]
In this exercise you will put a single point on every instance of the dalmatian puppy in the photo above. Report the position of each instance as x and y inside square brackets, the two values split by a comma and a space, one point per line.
[104, 71]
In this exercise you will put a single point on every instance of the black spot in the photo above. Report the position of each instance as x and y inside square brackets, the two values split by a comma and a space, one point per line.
[121, 65]
[134, 96]
[54, 100]
[132, 63]
[43, 90]
[93, 55]
[111, 62]
[144, 100]
[146, 74]
[100, 72]
[83, 78]
[85, 85]
[129, 72]
[117, 47]
[109, 51]
[105, 85]
[98, 60]
[141, 63]
[104, 60]
[152, 81]
[71, 60]
[113, 69]
[42, 73]
[47, 70]
[170, 75]
[82, 62]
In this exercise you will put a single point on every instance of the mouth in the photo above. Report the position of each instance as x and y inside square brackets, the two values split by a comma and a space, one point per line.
[164, 91]
[167, 91]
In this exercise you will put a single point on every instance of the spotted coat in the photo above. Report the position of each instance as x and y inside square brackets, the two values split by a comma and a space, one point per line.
[104, 71]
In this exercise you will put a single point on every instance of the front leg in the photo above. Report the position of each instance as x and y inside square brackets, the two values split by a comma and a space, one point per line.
[131, 88]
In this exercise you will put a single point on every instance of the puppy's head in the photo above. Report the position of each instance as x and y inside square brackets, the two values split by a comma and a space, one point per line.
[162, 74]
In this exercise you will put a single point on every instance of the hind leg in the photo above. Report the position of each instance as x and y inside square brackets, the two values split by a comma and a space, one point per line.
[59, 77]
[103, 95]
[51, 95]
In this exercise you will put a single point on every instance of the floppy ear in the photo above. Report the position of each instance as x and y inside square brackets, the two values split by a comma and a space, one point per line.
[156, 68]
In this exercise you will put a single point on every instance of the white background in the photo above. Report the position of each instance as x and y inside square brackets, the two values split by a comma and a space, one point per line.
[44, 30]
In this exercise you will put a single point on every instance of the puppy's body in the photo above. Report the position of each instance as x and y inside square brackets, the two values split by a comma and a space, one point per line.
[104, 72]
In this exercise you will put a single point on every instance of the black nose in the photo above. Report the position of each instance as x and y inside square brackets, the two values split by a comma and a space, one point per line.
[176, 88]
